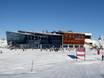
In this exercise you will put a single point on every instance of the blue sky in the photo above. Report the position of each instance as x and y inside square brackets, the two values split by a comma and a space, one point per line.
[38, 15]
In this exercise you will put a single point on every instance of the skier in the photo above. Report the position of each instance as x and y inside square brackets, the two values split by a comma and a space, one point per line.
[98, 51]
[102, 54]
[1, 51]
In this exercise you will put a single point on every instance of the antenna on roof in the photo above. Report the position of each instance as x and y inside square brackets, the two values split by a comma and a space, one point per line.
[70, 31]
[42, 31]
[99, 38]
[46, 31]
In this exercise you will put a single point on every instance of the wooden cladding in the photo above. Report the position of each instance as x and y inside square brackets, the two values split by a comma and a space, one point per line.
[73, 38]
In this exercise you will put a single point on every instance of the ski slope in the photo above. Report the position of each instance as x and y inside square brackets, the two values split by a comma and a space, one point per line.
[45, 64]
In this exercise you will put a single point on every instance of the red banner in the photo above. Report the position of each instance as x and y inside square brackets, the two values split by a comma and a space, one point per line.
[80, 52]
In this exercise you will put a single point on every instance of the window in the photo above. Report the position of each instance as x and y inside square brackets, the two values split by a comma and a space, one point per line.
[88, 37]
[70, 46]
[65, 46]
[76, 46]
[32, 37]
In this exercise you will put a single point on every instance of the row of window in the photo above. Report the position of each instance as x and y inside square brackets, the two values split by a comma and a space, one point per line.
[73, 36]
[74, 41]
[29, 37]
[37, 37]
[72, 46]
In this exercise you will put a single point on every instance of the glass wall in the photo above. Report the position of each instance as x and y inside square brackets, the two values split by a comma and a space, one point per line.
[36, 40]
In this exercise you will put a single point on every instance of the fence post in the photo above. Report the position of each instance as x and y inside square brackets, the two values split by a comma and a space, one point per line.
[32, 66]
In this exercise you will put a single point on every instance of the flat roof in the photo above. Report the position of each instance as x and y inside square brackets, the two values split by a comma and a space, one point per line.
[74, 32]
[88, 33]
[79, 33]
[19, 33]
[48, 33]
[33, 33]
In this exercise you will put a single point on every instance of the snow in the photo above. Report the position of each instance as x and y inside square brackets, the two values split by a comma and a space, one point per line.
[88, 34]
[45, 64]
[3, 43]
[88, 41]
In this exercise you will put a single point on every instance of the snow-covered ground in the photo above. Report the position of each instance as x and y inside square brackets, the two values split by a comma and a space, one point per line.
[45, 64]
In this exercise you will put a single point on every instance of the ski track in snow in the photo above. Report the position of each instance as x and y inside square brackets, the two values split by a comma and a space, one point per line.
[46, 64]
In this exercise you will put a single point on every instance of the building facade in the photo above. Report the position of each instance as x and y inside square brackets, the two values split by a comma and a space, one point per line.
[22, 39]
[74, 39]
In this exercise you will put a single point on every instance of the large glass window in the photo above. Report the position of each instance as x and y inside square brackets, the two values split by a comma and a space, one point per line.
[70, 46]
[88, 37]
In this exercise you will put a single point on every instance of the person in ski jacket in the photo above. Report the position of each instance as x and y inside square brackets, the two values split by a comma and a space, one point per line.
[102, 53]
